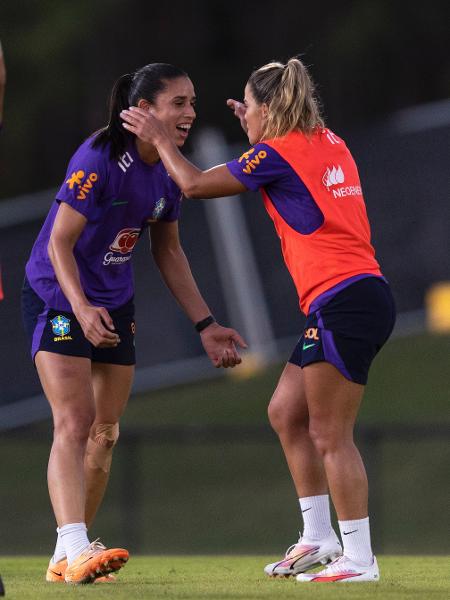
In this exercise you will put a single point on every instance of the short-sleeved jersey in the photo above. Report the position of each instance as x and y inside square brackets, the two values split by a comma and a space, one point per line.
[118, 198]
[312, 192]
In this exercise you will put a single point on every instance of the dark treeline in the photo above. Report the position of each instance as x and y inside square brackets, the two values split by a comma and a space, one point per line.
[369, 58]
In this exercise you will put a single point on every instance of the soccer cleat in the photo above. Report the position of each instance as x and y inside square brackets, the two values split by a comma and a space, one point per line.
[343, 570]
[56, 573]
[95, 562]
[300, 557]
[109, 578]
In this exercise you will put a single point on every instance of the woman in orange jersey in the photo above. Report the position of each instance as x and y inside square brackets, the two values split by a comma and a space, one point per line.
[312, 192]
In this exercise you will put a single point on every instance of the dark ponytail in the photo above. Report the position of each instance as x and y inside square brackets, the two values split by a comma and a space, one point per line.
[145, 83]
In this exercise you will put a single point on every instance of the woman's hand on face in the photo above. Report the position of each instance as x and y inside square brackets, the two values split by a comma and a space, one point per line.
[239, 111]
[143, 124]
[220, 345]
[97, 326]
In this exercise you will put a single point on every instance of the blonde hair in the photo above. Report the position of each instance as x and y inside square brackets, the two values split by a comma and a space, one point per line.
[289, 93]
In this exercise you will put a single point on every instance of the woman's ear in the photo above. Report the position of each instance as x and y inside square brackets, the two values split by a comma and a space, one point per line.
[264, 110]
[145, 104]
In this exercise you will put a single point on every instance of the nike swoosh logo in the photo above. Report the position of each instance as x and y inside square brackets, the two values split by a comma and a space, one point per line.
[306, 346]
[86, 560]
[119, 202]
[56, 573]
[303, 511]
[349, 532]
[336, 577]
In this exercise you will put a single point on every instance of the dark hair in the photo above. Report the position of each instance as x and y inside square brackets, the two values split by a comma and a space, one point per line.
[145, 83]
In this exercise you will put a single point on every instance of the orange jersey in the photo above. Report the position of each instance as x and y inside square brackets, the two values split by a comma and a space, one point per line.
[312, 192]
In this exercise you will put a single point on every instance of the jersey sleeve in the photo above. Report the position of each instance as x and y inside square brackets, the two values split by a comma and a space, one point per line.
[173, 210]
[258, 167]
[85, 181]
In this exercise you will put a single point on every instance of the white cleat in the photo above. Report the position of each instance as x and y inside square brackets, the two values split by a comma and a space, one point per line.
[343, 570]
[301, 556]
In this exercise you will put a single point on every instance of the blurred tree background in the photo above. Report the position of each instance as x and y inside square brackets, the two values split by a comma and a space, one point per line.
[369, 58]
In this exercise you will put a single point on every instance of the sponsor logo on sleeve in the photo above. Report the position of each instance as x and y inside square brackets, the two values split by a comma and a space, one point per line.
[251, 159]
[84, 185]
[61, 328]
[122, 246]
[75, 179]
[333, 177]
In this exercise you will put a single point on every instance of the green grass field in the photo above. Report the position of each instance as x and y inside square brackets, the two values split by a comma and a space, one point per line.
[229, 578]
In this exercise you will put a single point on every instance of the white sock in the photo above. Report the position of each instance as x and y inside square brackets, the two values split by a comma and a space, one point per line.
[316, 517]
[356, 540]
[75, 539]
[60, 551]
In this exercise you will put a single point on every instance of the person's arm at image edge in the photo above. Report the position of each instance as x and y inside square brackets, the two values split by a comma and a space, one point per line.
[2, 82]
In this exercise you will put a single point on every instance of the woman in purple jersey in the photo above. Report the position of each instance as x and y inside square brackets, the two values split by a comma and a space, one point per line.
[78, 303]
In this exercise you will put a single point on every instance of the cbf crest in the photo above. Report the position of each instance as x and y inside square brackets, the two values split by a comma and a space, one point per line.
[60, 325]
[159, 209]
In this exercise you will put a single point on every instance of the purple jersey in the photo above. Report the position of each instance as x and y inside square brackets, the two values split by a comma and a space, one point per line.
[118, 198]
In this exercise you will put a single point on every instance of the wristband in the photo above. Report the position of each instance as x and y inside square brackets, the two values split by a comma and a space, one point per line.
[204, 323]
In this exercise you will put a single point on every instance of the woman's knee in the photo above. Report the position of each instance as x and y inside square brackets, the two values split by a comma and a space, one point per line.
[327, 438]
[99, 450]
[286, 418]
[73, 428]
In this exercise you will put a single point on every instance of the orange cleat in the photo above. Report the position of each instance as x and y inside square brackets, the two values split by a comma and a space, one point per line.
[96, 562]
[56, 573]
[110, 578]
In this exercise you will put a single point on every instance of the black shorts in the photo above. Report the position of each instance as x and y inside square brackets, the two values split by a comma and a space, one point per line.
[59, 331]
[349, 330]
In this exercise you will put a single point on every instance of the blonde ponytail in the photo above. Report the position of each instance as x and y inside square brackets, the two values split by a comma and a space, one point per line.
[288, 91]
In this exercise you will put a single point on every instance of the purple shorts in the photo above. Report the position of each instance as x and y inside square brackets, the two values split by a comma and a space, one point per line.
[349, 330]
[58, 331]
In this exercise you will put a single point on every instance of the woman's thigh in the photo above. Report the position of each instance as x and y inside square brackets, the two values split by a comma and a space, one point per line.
[288, 403]
[112, 387]
[333, 401]
[67, 384]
